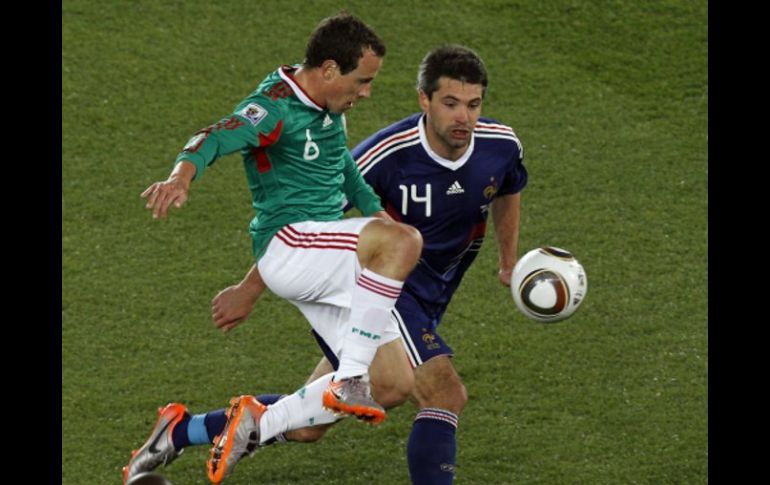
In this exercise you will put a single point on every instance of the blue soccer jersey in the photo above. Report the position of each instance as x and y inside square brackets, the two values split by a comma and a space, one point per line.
[447, 201]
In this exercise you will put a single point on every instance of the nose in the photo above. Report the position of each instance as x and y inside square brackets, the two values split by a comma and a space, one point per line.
[462, 115]
[365, 91]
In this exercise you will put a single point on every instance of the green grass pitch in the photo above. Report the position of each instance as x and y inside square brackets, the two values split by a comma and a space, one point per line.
[610, 99]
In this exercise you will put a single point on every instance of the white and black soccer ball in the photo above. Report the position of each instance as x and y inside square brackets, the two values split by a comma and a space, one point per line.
[548, 284]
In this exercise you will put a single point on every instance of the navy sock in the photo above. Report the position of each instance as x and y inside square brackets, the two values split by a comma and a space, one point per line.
[268, 399]
[201, 429]
[432, 449]
[179, 434]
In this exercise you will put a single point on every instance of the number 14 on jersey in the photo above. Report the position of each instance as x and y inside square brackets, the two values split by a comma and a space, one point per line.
[406, 192]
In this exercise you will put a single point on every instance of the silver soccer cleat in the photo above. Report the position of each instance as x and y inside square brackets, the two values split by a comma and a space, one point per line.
[239, 438]
[352, 396]
[159, 447]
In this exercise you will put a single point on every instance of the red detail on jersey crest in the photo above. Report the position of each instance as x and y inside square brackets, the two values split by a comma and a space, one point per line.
[260, 156]
[278, 90]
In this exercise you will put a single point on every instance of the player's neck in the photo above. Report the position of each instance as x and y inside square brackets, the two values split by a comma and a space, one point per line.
[311, 82]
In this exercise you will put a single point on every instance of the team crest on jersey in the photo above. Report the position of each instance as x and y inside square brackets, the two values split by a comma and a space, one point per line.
[490, 190]
[254, 113]
[429, 339]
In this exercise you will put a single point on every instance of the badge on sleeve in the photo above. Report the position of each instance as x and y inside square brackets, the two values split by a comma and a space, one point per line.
[254, 113]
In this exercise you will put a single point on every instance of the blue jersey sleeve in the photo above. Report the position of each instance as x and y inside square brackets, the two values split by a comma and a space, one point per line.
[516, 176]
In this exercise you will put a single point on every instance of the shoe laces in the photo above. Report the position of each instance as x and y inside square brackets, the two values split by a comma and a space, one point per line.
[358, 386]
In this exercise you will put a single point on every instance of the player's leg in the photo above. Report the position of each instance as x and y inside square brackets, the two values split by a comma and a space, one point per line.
[250, 424]
[438, 391]
[358, 264]
[392, 384]
[441, 397]
[387, 252]
[310, 434]
[391, 375]
[175, 430]
[315, 265]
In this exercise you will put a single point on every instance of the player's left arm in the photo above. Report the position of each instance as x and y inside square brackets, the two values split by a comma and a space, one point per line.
[505, 214]
[358, 191]
[233, 305]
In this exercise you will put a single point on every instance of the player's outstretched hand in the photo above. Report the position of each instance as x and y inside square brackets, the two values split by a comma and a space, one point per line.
[161, 195]
[173, 190]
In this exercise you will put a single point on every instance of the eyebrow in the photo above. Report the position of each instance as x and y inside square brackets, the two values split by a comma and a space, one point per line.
[449, 97]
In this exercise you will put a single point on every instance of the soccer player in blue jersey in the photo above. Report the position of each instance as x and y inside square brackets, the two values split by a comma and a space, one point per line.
[442, 171]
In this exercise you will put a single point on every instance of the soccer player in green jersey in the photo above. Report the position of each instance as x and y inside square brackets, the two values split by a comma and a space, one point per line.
[343, 274]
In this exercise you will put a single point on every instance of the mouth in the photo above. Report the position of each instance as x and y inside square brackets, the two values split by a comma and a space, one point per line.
[459, 133]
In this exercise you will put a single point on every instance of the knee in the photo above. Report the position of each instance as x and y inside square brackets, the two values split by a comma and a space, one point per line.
[401, 240]
[407, 241]
[460, 398]
[452, 396]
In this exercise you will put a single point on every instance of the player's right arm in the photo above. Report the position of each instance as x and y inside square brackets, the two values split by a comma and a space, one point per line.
[251, 125]
[173, 190]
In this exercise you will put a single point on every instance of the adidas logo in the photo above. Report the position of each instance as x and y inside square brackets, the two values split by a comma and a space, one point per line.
[455, 188]
[327, 121]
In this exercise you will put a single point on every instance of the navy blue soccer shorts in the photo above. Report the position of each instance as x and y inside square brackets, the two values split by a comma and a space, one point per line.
[417, 325]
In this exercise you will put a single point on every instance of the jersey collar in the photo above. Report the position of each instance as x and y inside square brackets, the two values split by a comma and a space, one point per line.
[287, 74]
[450, 164]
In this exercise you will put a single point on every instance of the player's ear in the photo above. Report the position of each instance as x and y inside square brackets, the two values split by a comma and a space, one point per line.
[424, 101]
[329, 69]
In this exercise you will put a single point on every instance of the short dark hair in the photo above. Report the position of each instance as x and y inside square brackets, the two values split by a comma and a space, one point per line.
[453, 61]
[342, 38]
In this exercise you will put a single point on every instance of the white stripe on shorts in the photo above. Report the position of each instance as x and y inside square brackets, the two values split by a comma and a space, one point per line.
[411, 350]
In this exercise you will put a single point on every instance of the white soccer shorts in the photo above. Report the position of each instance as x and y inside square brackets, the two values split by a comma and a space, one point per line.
[314, 265]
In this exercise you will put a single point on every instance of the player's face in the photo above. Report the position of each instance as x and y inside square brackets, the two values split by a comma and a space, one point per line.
[346, 89]
[452, 113]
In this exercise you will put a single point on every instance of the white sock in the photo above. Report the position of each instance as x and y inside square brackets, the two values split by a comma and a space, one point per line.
[373, 298]
[301, 409]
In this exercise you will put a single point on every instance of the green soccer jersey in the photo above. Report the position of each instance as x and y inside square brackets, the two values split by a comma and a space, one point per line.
[295, 154]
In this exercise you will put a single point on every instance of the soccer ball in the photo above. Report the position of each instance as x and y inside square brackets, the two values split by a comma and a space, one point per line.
[548, 284]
